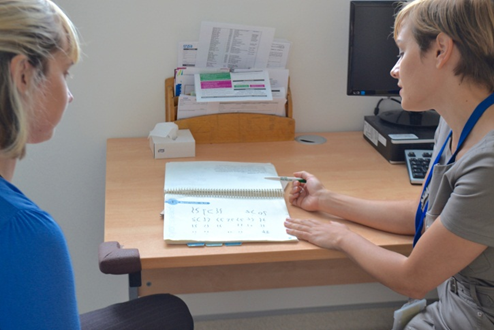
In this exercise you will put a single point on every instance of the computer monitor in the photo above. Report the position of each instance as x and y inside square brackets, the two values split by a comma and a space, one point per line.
[372, 53]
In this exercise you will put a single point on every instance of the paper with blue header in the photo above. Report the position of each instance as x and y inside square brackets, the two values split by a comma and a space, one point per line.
[221, 202]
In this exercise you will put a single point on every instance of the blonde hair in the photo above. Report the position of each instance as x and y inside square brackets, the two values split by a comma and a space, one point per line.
[470, 23]
[36, 29]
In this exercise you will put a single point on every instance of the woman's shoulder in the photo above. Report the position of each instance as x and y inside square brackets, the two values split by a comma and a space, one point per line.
[12, 201]
[483, 150]
[477, 164]
[18, 211]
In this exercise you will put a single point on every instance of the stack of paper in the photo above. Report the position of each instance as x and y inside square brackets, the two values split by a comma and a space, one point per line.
[232, 68]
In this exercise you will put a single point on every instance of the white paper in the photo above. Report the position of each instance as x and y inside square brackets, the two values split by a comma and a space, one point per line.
[233, 87]
[275, 107]
[187, 52]
[189, 107]
[222, 202]
[278, 56]
[234, 46]
[277, 59]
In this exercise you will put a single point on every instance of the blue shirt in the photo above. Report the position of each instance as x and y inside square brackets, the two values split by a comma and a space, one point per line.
[37, 289]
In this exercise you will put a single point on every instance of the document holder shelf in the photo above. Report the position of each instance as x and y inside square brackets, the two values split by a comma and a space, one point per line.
[232, 127]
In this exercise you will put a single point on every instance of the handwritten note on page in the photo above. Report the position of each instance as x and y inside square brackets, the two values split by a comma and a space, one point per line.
[223, 202]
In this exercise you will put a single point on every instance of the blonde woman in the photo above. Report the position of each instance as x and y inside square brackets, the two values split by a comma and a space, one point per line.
[38, 46]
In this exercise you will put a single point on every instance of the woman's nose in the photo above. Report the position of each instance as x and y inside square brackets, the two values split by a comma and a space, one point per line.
[395, 70]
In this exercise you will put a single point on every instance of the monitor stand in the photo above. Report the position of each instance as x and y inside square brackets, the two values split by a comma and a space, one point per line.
[408, 118]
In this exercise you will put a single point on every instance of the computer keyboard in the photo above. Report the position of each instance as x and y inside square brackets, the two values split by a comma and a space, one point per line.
[417, 161]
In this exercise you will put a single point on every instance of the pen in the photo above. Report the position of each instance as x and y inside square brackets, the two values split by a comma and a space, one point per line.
[285, 178]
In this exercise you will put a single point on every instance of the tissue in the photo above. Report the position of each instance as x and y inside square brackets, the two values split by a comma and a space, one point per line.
[165, 130]
[167, 141]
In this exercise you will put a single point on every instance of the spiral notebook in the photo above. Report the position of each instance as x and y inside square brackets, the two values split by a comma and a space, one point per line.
[223, 202]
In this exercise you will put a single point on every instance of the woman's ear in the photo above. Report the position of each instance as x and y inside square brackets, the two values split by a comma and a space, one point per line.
[22, 72]
[444, 49]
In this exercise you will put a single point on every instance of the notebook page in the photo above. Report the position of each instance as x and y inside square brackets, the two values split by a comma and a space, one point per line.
[201, 219]
[191, 214]
[220, 175]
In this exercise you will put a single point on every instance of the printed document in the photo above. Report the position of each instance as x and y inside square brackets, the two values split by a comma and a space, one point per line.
[278, 56]
[187, 52]
[234, 46]
[232, 86]
[184, 78]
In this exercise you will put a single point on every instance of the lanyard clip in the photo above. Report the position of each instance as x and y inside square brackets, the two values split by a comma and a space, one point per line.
[453, 285]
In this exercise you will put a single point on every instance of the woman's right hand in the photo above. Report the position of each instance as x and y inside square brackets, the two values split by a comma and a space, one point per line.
[306, 195]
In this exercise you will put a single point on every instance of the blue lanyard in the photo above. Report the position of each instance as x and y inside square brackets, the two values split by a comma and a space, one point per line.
[474, 117]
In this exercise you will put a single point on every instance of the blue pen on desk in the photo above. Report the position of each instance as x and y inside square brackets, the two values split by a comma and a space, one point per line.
[285, 178]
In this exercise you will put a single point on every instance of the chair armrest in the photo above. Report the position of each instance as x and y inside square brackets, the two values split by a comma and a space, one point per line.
[115, 260]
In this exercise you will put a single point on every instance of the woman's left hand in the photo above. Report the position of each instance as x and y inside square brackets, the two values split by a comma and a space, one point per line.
[325, 234]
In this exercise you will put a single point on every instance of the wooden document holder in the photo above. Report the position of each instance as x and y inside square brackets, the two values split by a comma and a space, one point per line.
[232, 127]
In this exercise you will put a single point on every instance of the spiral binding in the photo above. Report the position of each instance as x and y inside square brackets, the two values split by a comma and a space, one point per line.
[225, 193]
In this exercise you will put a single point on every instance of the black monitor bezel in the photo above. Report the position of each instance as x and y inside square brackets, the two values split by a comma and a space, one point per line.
[351, 90]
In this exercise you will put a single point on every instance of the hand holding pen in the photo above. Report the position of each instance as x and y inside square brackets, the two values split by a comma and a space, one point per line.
[306, 194]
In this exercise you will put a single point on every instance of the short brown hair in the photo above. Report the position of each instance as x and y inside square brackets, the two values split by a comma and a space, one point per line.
[470, 23]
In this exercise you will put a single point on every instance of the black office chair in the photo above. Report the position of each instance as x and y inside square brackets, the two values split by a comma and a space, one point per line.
[160, 311]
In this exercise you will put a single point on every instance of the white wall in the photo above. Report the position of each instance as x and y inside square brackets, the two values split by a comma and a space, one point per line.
[130, 48]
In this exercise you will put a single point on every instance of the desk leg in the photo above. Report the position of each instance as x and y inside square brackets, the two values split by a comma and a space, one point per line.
[134, 283]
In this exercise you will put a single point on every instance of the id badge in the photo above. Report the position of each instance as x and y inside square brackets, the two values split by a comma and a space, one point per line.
[403, 315]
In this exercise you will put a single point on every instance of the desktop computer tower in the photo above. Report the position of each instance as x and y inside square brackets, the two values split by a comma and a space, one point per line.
[391, 140]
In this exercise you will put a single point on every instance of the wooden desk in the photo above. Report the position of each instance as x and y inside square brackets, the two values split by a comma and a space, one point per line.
[345, 163]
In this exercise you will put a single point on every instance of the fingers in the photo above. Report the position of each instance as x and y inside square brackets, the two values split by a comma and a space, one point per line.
[298, 188]
[296, 228]
[291, 223]
[302, 229]
[296, 192]
[302, 174]
[298, 225]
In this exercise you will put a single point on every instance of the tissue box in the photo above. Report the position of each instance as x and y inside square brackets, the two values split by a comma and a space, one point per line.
[183, 146]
